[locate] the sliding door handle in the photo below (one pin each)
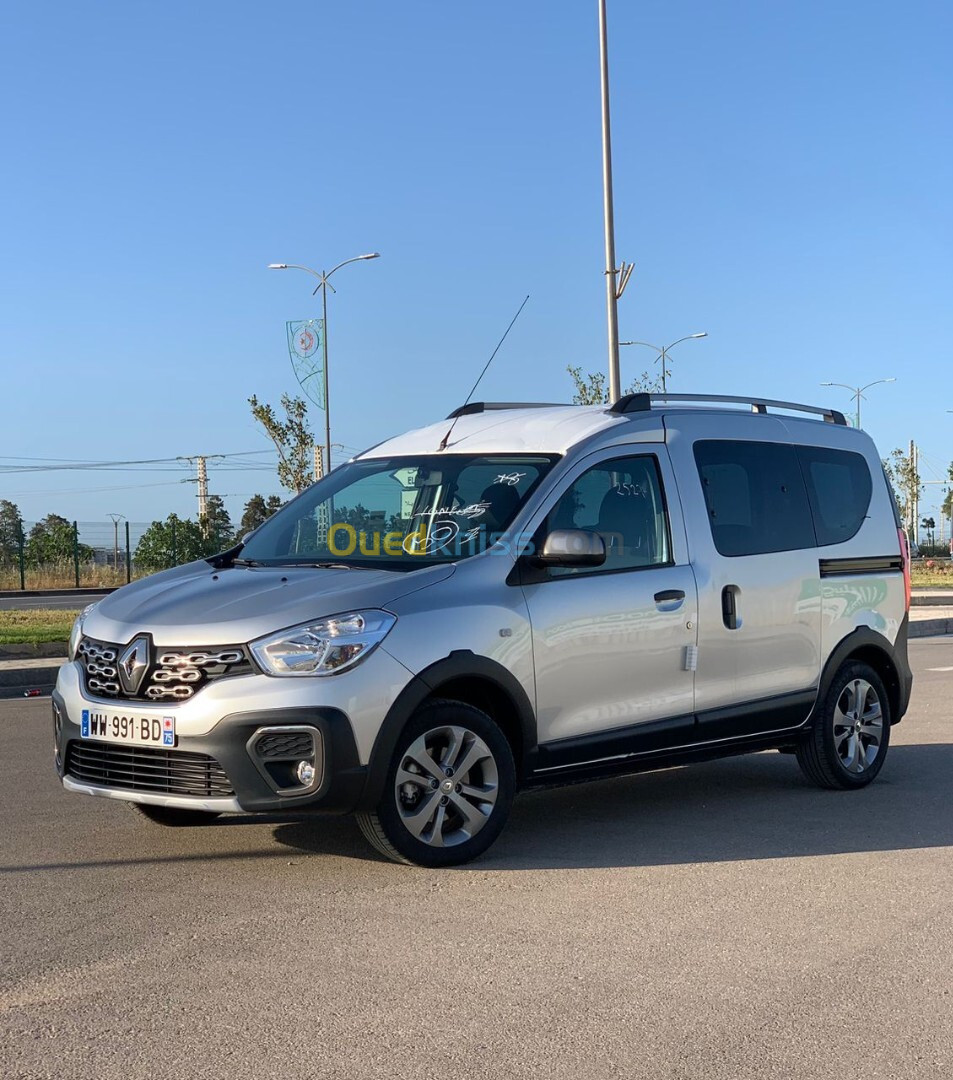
(729, 607)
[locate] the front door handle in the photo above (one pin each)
(668, 595)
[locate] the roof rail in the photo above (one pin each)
(632, 403)
(493, 406)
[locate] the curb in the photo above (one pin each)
(34, 651)
(16, 681)
(34, 692)
(929, 627)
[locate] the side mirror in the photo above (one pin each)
(572, 547)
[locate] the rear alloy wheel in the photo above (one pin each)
(176, 817)
(848, 743)
(448, 790)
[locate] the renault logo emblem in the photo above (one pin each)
(133, 664)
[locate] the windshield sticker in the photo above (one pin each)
(474, 510)
(510, 479)
(440, 535)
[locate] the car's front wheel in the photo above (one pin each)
(175, 816)
(448, 788)
(848, 742)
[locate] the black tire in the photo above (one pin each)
(825, 756)
(175, 817)
(494, 774)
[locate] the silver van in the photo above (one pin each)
(518, 595)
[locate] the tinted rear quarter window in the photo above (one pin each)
(839, 489)
(755, 496)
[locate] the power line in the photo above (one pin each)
(72, 465)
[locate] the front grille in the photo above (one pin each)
(172, 673)
(147, 768)
(294, 745)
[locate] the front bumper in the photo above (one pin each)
(221, 769)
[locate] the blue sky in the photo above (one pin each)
(782, 171)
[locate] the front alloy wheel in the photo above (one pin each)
(848, 743)
(448, 790)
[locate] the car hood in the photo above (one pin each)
(198, 605)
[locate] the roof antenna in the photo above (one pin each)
(446, 438)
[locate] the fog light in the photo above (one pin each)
(305, 773)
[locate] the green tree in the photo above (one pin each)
(292, 438)
(51, 542)
(946, 509)
(11, 529)
(257, 511)
(590, 388)
(929, 524)
(170, 543)
(905, 481)
(216, 525)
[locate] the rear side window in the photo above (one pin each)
(839, 489)
(755, 496)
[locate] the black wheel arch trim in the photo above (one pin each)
(460, 664)
(897, 676)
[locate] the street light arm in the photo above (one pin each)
(647, 344)
(295, 266)
(876, 382)
(852, 389)
(687, 337)
(356, 258)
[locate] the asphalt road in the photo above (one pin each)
(725, 921)
(69, 602)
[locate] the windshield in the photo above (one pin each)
(399, 513)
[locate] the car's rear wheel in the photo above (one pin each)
(175, 816)
(448, 789)
(848, 743)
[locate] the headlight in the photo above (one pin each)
(77, 632)
(324, 647)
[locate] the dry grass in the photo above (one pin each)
(64, 577)
(935, 573)
(32, 627)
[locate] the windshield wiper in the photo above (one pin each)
(288, 565)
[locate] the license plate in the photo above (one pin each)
(128, 728)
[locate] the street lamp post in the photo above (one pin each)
(663, 350)
(324, 283)
(116, 518)
(857, 392)
(612, 311)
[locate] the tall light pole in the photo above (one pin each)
(857, 392)
(614, 289)
(663, 350)
(324, 283)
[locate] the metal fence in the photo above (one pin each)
(83, 554)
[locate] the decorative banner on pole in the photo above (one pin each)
(306, 349)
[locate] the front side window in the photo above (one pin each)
(621, 500)
(399, 513)
(755, 497)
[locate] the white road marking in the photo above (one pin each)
(940, 669)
